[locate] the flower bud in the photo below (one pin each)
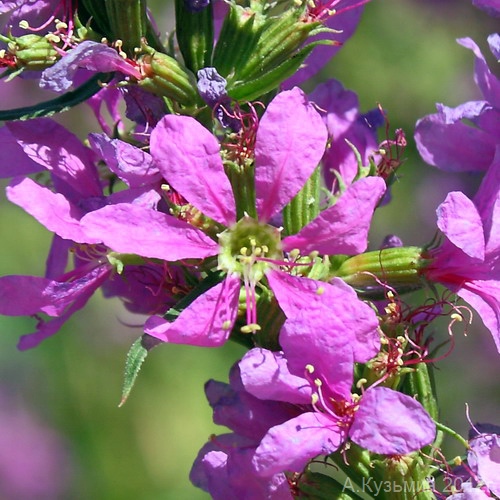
(166, 77)
(399, 267)
(31, 52)
(256, 52)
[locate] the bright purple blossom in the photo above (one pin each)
(290, 143)
(306, 418)
(446, 141)
(223, 466)
(45, 146)
(468, 261)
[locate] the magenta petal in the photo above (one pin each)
(24, 295)
(188, 156)
(484, 297)
(206, 322)
(290, 142)
(49, 144)
(289, 446)
(391, 423)
(342, 228)
(453, 147)
(265, 375)
(328, 352)
(132, 165)
(52, 210)
(14, 160)
(460, 221)
(127, 228)
(332, 308)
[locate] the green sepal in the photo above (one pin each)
(304, 207)
(168, 78)
(264, 83)
(317, 486)
(195, 35)
(59, 104)
(237, 39)
(400, 267)
(419, 383)
(133, 364)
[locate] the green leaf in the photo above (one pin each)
(135, 358)
(60, 104)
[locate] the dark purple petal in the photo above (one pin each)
(245, 414)
(211, 86)
(14, 160)
(132, 165)
(83, 289)
(49, 144)
(90, 55)
(490, 6)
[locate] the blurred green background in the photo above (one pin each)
(404, 56)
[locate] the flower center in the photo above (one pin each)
(247, 248)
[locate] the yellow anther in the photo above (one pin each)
(253, 241)
(60, 25)
(251, 328)
(244, 250)
(265, 249)
(257, 251)
(457, 461)
(310, 368)
(50, 37)
(361, 382)
(314, 398)
(294, 254)
(226, 325)
(317, 382)
(390, 295)
(320, 290)
(313, 254)
(456, 317)
(24, 25)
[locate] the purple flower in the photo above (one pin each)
(223, 466)
(445, 141)
(290, 142)
(296, 418)
(43, 145)
(467, 262)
